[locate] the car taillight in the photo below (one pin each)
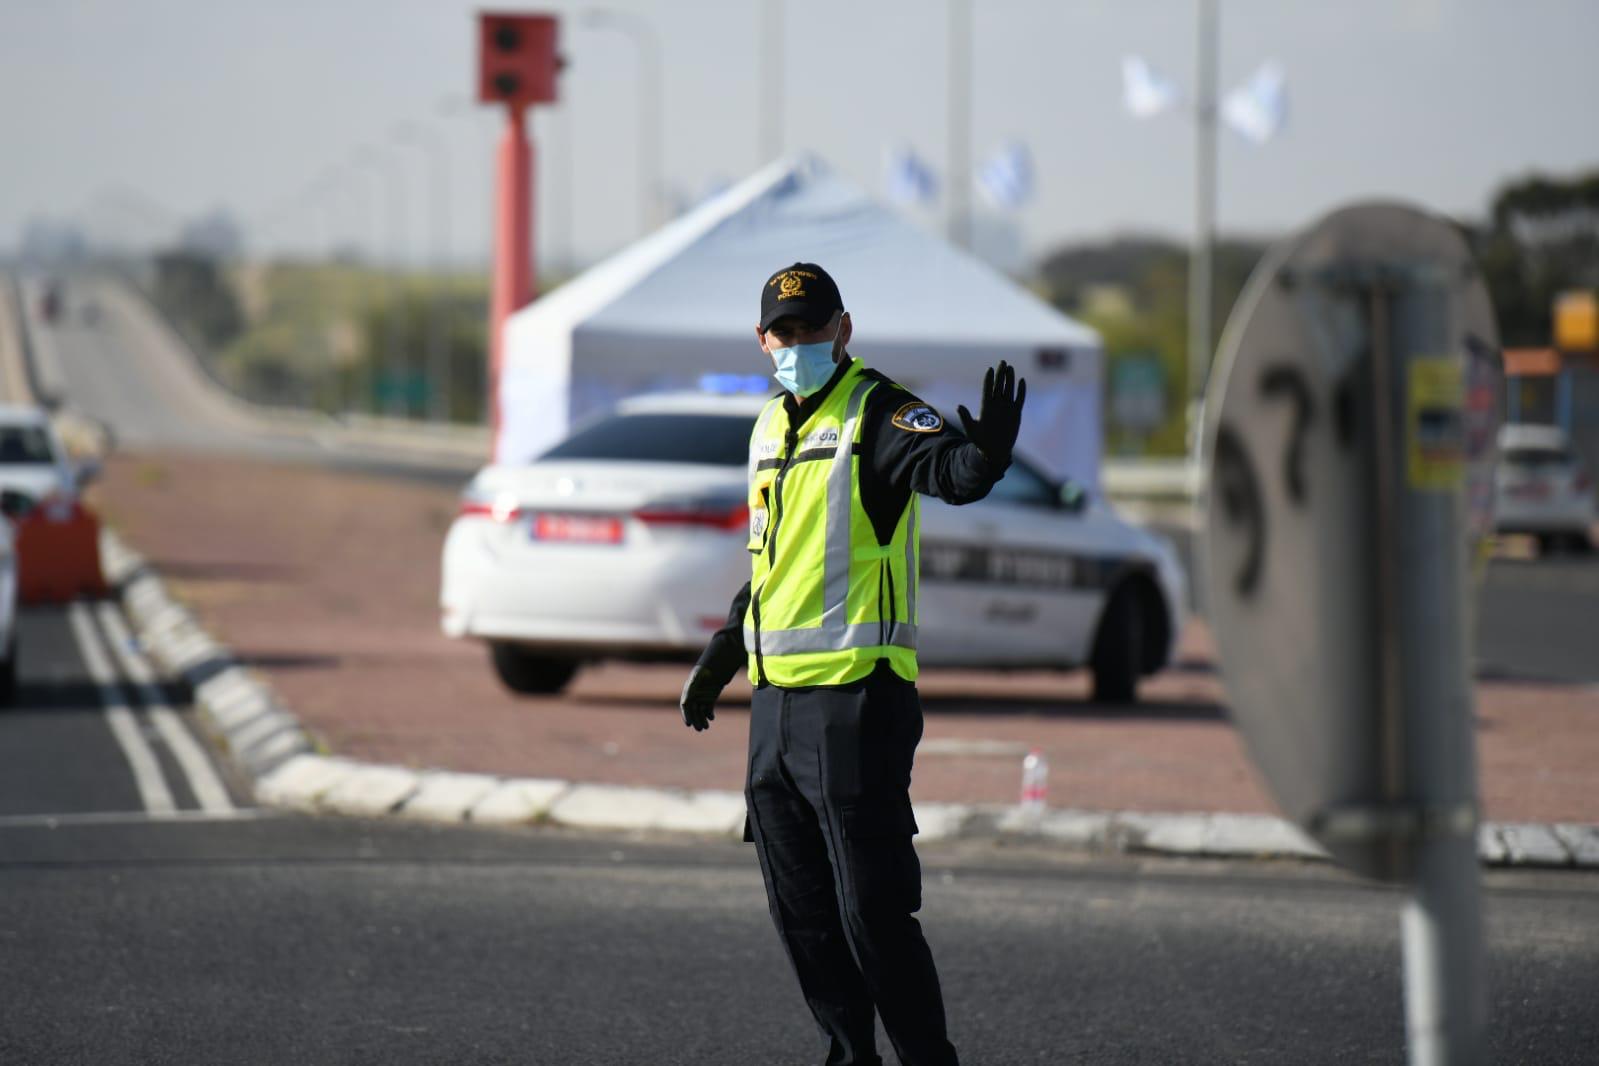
(706, 514)
(499, 508)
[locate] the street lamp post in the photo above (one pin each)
(426, 138)
(960, 122)
(372, 162)
(326, 211)
(1201, 296)
(770, 116)
(1255, 110)
(651, 106)
(389, 167)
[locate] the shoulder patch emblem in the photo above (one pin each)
(917, 417)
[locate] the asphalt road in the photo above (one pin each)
(124, 368)
(132, 934)
(89, 733)
(1535, 616)
(287, 940)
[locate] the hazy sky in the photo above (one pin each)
(129, 114)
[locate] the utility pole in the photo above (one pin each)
(438, 371)
(960, 122)
(1201, 298)
(770, 134)
(367, 160)
(651, 106)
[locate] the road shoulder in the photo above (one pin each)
(289, 772)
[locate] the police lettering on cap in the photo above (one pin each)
(804, 291)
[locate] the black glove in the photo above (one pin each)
(995, 433)
(699, 699)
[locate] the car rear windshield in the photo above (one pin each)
(717, 440)
(1538, 456)
(24, 444)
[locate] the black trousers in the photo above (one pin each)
(830, 813)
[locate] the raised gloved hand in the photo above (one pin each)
(995, 432)
(699, 699)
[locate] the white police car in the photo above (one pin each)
(627, 540)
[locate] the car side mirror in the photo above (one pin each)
(1073, 498)
(85, 472)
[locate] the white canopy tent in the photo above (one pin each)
(683, 303)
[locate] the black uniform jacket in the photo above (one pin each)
(906, 447)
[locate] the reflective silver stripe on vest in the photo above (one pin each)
(858, 635)
(912, 574)
(835, 574)
(759, 434)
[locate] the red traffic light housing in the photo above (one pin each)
(517, 61)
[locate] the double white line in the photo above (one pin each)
(208, 789)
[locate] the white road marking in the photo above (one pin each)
(152, 786)
(51, 821)
(203, 780)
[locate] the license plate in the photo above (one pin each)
(578, 528)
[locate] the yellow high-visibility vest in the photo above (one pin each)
(827, 601)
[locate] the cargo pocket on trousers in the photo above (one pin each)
(884, 873)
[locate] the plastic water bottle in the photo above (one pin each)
(1035, 782)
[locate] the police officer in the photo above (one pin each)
(827, 629)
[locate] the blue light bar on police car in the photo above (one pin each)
(734, 384)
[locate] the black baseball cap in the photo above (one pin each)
(805, 291)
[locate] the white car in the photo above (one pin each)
(627, 540)
(34, 469)
(1542, 488)
(8, 612)
(33, 462)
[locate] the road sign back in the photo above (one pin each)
(1338, 445)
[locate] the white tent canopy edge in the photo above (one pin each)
(683, 302)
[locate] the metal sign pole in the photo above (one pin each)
(1439, 927)
(1441, 922)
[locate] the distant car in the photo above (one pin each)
(1541, 487)
(52, 300)
(626, 540)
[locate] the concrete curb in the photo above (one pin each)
(288, 773)
(256, 730)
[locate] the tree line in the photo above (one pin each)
(1540, 237)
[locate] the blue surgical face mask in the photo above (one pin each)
(804, 368)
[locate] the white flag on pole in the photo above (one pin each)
(1257, 108)
(1145, 91)
(1006, 177)
(907, 179)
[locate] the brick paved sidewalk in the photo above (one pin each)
(327, 583)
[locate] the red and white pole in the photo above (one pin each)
(513, 281)
(517, 68)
